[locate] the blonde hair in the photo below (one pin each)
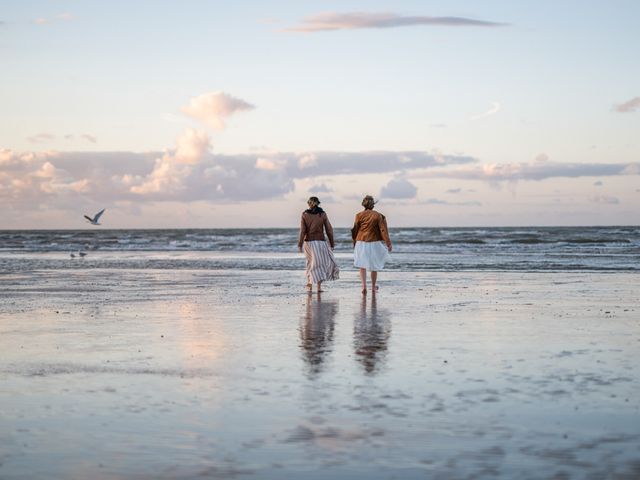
(368, 202)
(313, 202)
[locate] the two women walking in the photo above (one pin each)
(370, 237)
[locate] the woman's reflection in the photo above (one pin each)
(371, 332)
(316, 331)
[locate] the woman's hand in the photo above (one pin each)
(299, 249)
(389, 247)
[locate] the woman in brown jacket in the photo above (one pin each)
(321, 264)
(371, 243)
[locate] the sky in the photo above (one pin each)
(210, 114)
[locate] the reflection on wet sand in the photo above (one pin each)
(371, 332)
(316, 331)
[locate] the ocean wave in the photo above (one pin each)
(414, 248)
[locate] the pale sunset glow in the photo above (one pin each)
(453, 113)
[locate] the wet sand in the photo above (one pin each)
(139, 374)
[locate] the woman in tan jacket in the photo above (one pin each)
(371, 243)
(321, 264)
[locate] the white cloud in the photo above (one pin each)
(629, 106)
(605, 199)
(191, 146)
(399, 188)
(535, 171)
(321, 188)
(267, 164)
(495, 108)
(213, 109)
(331, 21)
(189, 172)
(308, 160)
(41, 138)
(437, 201)
(63, 17)
(173, 168)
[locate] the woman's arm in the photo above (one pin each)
(303, 232)
(354, 230)
(384, 231)
(329, 229)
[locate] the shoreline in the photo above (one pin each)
(216, 374)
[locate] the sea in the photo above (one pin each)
(614, 248)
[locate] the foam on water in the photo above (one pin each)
(440, 249)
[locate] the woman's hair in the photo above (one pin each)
(368, 202)
(313, 202)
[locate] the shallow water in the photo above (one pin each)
(415, 249)
(230, 374)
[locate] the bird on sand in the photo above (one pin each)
(94, 220)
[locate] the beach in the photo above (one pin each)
(112, 373)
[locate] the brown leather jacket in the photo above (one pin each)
(370, 226)
(312, 227)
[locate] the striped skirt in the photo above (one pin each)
(321, 264)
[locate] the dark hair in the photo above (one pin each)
(368, 202)
(314, 206)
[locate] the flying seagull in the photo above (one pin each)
(94, 220)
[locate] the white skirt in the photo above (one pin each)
(370, 255)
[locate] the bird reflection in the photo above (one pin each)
(371, 332)
(316, 331)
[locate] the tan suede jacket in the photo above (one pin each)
(370, 226)
(312, 227)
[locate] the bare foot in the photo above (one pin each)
(309, 288)
(364, 291)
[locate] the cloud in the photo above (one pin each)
(41, 138)
(186, 173)
(605, 199)
(267, 164)
(321, 188)
(331, 21)
(535, 171)
(213, 109)
(437, 201)
(454, 190)
(63, 17)
(432, 201)
(628, 106)
(173, 168)
(84, 136)
(495, 108)
(399, 188)
(309, 160)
